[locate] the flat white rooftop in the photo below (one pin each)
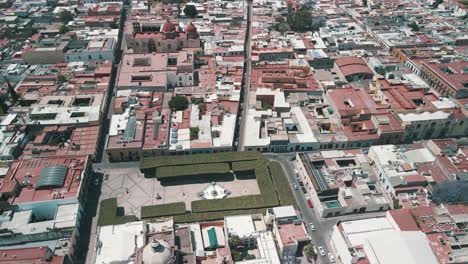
(424, 116)
(240, 225)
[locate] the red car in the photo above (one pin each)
(309, 202)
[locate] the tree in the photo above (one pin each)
(61, 79)
(202, 108)
(194, 132)
(301, 20)
(190, 11)
(364, 3)
(11, 91)
(178, 103)
(234, 241)
(215, 134)
(450, 192)
(236, 256)
(396, 204)
(281, 25)
(437, 3)
(414, 26)
(114, 25)
(309, 251)
(64, 29)
(66, 16)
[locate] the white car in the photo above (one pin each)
(331, 257)
(312, 227)
(322, 251)
(296, 187)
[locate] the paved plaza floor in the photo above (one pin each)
(133, 190)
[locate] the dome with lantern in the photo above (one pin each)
(158, 252)
(168, 27)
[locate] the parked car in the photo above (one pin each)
(301, 183)
(309, 203)
(322, 251)
(312, 227)
(296, 187)
(315, 250)
(292, 158)
(331, 257)
(304, 190)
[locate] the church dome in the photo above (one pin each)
(157, 252)
(191, 28)
(168, 27)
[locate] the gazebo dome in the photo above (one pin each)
(168, 27)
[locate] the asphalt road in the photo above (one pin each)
(248, 51)
(324, 226)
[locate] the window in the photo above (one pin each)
(84, 101)
(141, 62)
(77, 114)
(55, 102)
(141, 78)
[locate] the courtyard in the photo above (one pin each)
(133, 190)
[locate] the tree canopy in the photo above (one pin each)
(190, 11)
(300, 20)
(308, 251)
(178, 103)
(66, 16)
(450, 192)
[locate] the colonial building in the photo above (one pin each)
(169, 39)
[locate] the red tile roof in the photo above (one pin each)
(404, 220)
(352, 65)
(33, 255)
(30, 170)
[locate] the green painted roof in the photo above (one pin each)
(52, 176)
(212, 237)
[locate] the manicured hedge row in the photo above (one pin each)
(281, 183)
(224, 157)
(192, 170)
(108, 214)
(243, 166)
(266, 198)
(161, 210)
(211, 216)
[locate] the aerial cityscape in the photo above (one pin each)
(222, 132)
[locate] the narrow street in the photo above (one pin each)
(324, 226)
(247, 72)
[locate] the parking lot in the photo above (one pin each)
(133, 190)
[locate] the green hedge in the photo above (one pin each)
(224, 157)
(161, 210)
(240, 167)
(108, 214)
(281, 183)
(211, 216)
(192, 170)
(267, 198)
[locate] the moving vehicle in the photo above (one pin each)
(322, 251)
(312, 227)
(331, 257)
